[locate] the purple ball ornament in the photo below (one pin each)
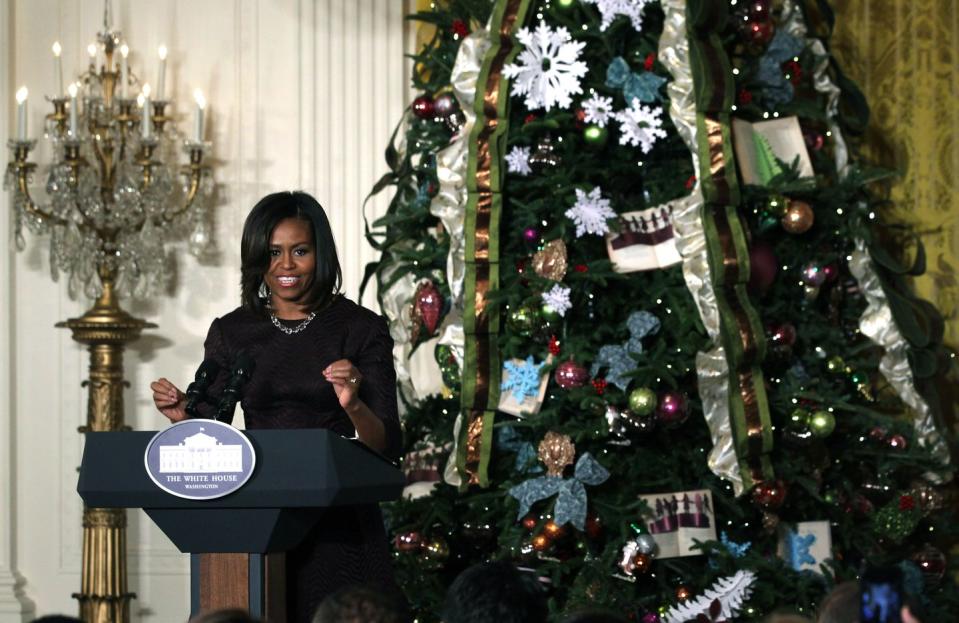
(763, 267)
(671, 411)
(423, 107)
(570, 374)
(444, 105)
(651, 617)
(813, 275)
(531, 236)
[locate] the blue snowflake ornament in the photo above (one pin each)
(736, 550)
(797, 549)
(521, 379)
(617, 358)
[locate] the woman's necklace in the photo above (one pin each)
(291, 330)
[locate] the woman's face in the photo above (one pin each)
(292, 261)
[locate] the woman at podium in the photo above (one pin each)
(321, 361)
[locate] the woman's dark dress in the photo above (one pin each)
(287, 390)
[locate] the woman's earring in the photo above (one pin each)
(264, 291)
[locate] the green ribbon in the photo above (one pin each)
(482, 365)
(741, 331)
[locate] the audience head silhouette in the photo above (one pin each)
(359, 604)
(494, 592)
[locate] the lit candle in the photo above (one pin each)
(161, 79)
(22, 114)
(92, 51)
(57, 68)
(146, 122)
(124, 71)
(73, 109)
(200, 105)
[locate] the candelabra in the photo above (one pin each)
(112, 206)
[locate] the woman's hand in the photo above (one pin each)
(346, 381)
(169, 400)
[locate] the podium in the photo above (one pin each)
(237, 542)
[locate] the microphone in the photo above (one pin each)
(240, 373)
(196, 391)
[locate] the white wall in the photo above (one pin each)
(302, 94)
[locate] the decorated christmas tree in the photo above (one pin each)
(681, 375)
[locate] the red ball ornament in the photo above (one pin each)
(407, 542)
(897, 442)
(570, 374)
(760, 32)
(683, 593)
(671, 409)
(594, 526)
(783, 334)
(423, 107)
(932, 563)
(428, 303)
(459, 28)
(529, 522)
(554, 347)
(769, 495)
(744, 97)
(763, 267)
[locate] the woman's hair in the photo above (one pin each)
(255, 249)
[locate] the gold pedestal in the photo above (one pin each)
(104, 596)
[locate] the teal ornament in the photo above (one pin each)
(570, 492)
(508, 440)
(777, 89)
(619, 360)
(644, 87)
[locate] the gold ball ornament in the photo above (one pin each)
(553, 530)
(550, 262)
(541, 542)
(642, 564)
(683, 593)
(436, 551)
(798, 217)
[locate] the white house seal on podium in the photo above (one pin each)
(199, 459)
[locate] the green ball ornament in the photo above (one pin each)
(595, 136)
(776, 204)
(642, 401)
(822, 423)
(858, 378)
(799, 417)
(523, 319)
(565, 4)
(549, 315)
(835, 365)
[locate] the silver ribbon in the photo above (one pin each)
(449, 204)
(877, 322)
(395, 302)
(711, 367)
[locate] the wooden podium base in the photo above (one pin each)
(253, 582)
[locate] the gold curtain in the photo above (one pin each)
(904, 55)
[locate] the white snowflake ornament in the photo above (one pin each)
(548, 70)
(730, 591)
(598, 109)
(640, 125)
(590, 213)
(611, 9)
(517, 161)
(558, 299)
